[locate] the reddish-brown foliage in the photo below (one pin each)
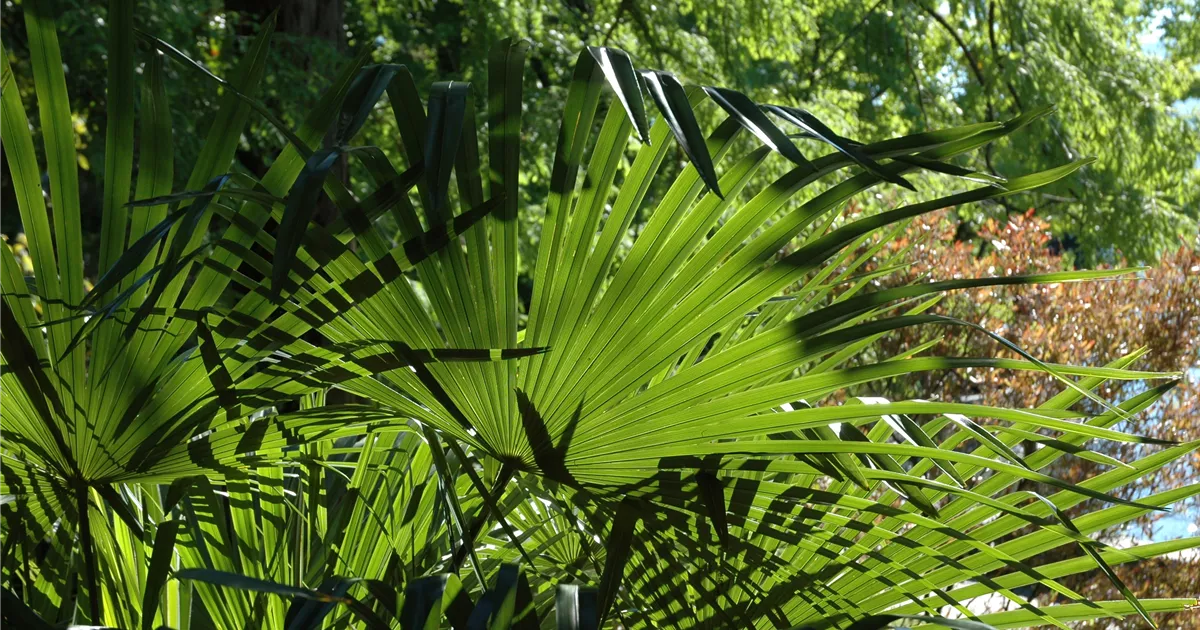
(1089, 323)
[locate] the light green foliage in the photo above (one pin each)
(878, 69)
(654, 420)
(873, 70)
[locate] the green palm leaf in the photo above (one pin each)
(663, 424)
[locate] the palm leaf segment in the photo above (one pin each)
(681, 410)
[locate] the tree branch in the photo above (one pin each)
(912, 68)
(616, 20)
(812, 75)
(976, 69)
(996, 53)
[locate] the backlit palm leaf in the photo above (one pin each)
(141, 381)
(654, 396)
(662, 422)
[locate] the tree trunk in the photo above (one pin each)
(321, 19)
(317, 19)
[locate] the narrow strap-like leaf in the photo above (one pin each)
(712, 493)
(987, 439)
(883, 461)
(364, 93)
(301, 203)
(234, 580)
(672, 102)
(118, 504)
(218, 374)
(506, 66)
(160, 564)
(118, 143)
(618, 548)
(447, 110)
(182, 224)
(17, 614)
(1090, 548)
(156, 162)
(576, 607)
(750, 116)
(253, 103)
(58, 139)
(136, 254)
(813, 125)
(429, 599)
(623, 78)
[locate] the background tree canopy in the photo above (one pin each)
(1120, 72)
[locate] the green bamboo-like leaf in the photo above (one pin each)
(623, 79)
(180, 227)
(218, 374)
(22, 361)
(617, 552)
(364, 93)
(985, 437)
(506, 66)
(301, 202)
(233, 580)
(118, 144)
(712, 493)
(883, 461)
(1090, 548)
(935, 166)
(843, 463)
(576, 607)
(806, 121)
(1085, 612)
(913, 433)
(186, 231)
(246, 98)
(750, 116)
(453, 507)
(430, 599)
(825, 318)
(448, 103)
(160, 563)
(58, 138)
(215, 157)
(156, 165)
(1066, 447)
(119, 505)
(176, 492)
(946, 168)
(672, 102)
(15, 613)
(236, 193)
(138, 252)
